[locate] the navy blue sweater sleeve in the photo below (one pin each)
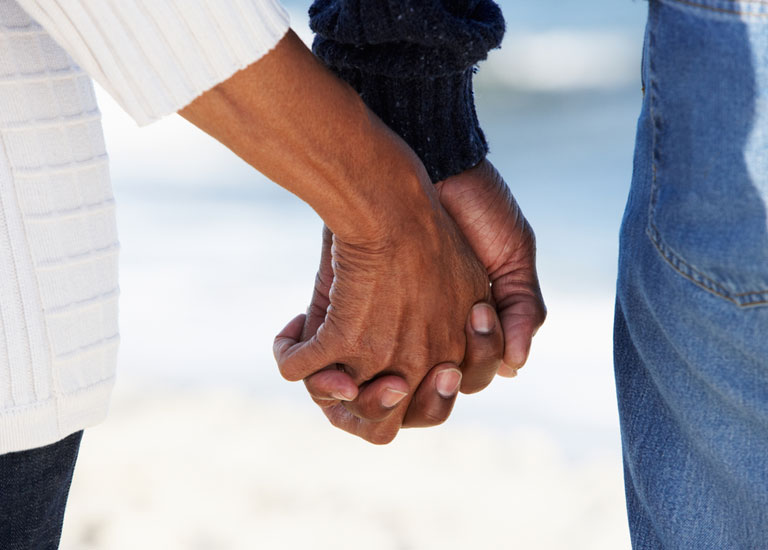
(412, 62)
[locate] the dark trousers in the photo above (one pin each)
(34, 486)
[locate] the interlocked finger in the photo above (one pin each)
(485, 348)
(297, 360)
(433, 401)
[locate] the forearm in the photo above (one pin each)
(294, 121)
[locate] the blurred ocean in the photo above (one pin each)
(558, 103)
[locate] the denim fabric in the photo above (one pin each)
(691, 334)
(34, 486)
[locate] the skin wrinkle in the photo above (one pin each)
(493, 269)
(399, 333)
(500, 195)
(363, 341)
(511, 267)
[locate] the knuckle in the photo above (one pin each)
(367, 409)
(542, 316)
(478, 375)
(434, 417)
(339, 418)
(278, 349)
(373, 413)
(316, 391)
(290, 368)
(377, 433)
(316, 310)
(485, 349)
(289, 374)
(322, 282)
(474, 386)
(482, 365)
(380, 438)
(324, 403)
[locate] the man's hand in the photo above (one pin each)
(486, 212)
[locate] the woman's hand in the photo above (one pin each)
(393, 308)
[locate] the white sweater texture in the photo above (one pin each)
(58, 238)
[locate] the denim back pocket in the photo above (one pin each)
(707, 66)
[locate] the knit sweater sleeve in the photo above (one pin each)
(412, 61)
(155, 56)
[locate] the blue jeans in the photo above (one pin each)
(34, 486)
(691, 333)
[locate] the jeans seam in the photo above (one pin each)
(685, 269)
(672, 257)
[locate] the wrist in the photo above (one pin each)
(380, 197)
(310, 132)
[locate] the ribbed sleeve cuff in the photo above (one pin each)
(155, 56)
(52, 420)
(435, 116)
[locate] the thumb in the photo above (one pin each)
(297, 360)
(321, 293)
(521, 312)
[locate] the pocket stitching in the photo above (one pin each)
(672, 257)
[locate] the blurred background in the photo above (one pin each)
(206, 447)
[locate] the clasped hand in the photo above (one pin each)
(384, 344)
(387, 340)
(396, 306)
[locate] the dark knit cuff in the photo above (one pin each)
(435, 116)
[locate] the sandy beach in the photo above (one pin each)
(220, 469)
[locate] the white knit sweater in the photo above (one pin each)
(58, 240)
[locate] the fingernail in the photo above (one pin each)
(506, 371)
(447, 382)
(341, 396)
(482, 319)
(392, 397)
